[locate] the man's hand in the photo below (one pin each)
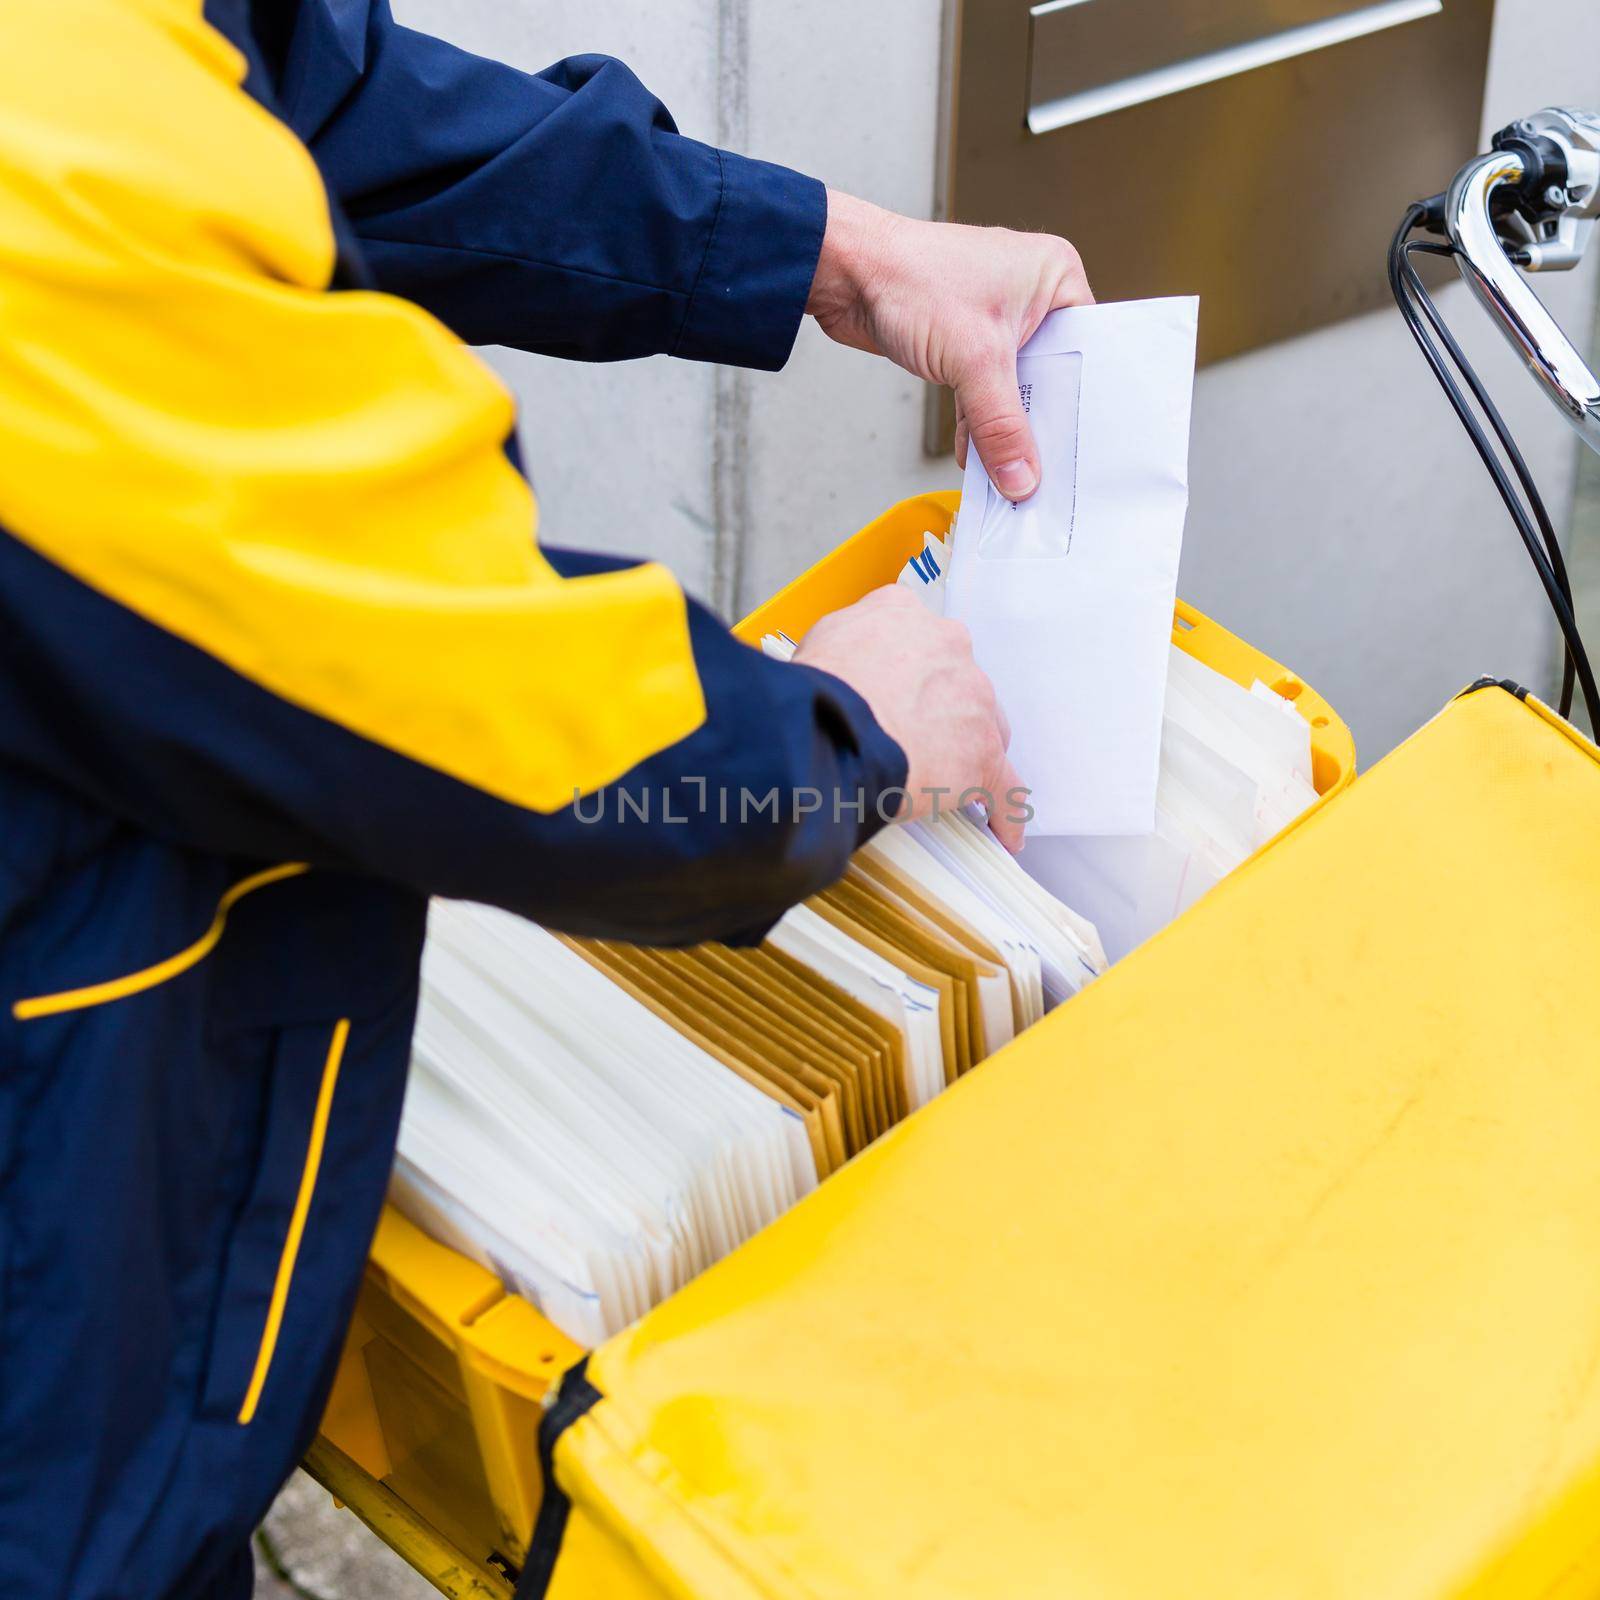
(916, 672)
(951, 304)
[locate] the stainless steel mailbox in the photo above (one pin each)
(1086, 60)
(1256, 152)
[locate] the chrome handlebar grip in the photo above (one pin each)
(1508, 298)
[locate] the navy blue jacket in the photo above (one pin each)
(279, 658)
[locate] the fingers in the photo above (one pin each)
(997, 426)
(988, 409)
(1006, 819)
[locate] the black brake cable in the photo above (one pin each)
(1508, 444)
(1539, 539)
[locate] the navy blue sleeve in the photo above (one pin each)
(718, 835)
(560, 212)
(713, 837)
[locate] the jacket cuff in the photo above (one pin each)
(877, 783)
(751, 291)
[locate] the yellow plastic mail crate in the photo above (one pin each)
(430, 1432)
(1268, 1268)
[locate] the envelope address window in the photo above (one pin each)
(1040, 527)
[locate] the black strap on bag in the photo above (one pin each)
(1490, 682)
(574, 1398)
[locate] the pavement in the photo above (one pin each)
(309, 1549)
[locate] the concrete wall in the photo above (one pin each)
(1338, 516)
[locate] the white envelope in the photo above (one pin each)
(1069, 595)
(910, 1007)
(591, 1154)
(902, 847)
(1234, 766)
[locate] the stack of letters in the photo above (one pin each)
(598, 1122)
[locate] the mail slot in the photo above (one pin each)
(1086, 59)
(1254, 152)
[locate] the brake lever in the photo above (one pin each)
(1530, 205)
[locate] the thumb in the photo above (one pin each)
(998, 428)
